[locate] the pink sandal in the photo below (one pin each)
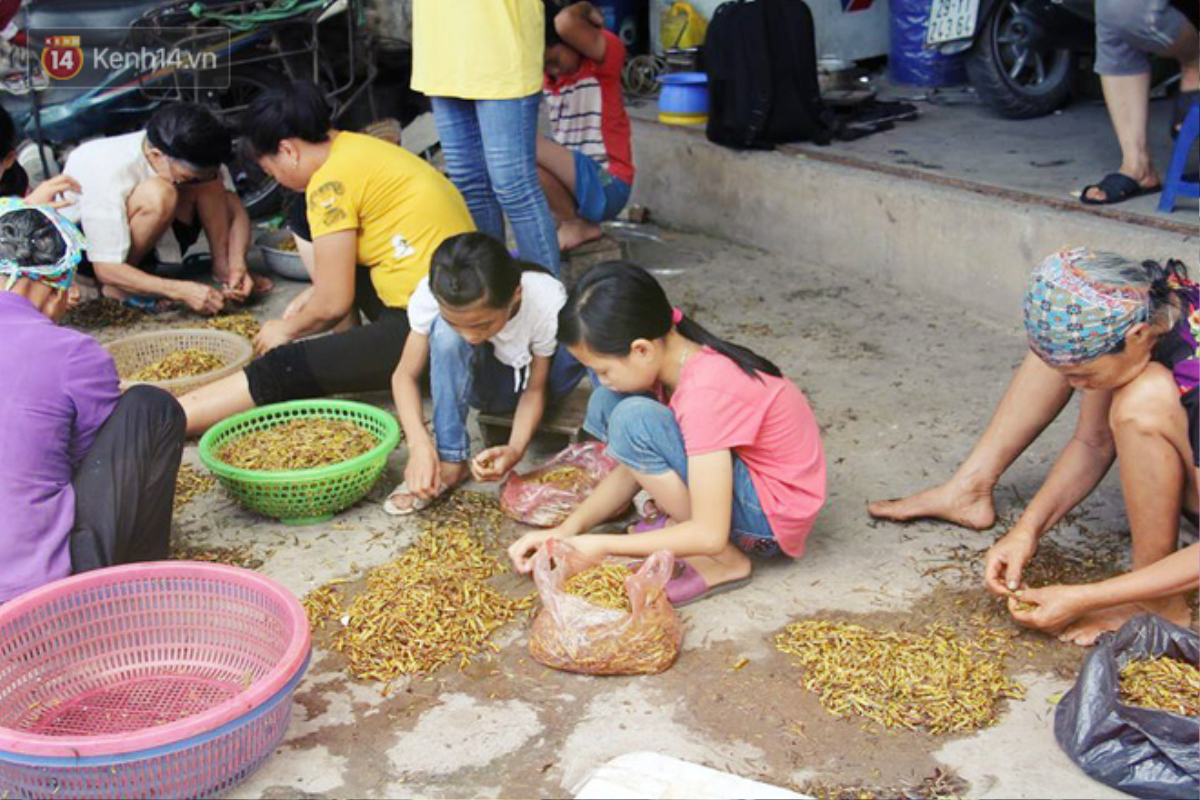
(652, 524)
(689, 585)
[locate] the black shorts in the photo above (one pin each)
(187, 234)
(359, 360)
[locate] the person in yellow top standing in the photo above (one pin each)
(374, 214)
(480, 63)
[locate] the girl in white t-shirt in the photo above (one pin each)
(487, 326)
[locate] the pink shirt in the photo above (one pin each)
(770, 427)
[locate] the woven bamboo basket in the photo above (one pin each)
(135, 352)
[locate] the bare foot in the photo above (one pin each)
(454, 474)
(574, 232)
(1088, 628)
(952, 501)
(262, 284)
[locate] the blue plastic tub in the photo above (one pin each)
(684, 97)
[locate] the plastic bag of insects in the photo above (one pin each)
(546, 496)
(1130, 720)
(601, 617)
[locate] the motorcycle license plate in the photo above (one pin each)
(951, 20)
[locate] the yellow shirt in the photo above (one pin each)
(478, 49)
(401, 207)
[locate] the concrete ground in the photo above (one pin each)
(953, 207)
(956, 137)
(1053, 156)
(901, 386)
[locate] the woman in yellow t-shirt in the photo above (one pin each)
(374, 214)
(480, 63)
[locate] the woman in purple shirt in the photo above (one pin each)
(87, 476)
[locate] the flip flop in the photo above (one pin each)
(149, 305)
(1117, 188)
(418, 504)
(689, 585)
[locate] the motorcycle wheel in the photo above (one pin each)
(1014, 80)
(261, 194)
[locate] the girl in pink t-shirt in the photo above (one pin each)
(727, 448)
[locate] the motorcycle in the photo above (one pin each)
(1023, 56)
(320, 40)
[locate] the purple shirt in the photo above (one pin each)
(57, 387)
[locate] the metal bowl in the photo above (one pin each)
(284, 263)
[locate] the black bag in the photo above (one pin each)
(1143, 752)
(762, 75)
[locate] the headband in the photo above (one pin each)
(59, 275)
(1070, 317)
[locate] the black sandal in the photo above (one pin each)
(1117, 188)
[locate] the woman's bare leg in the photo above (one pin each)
(210, 404)
(1150, 430)
(1128, 100)
(1036, 395)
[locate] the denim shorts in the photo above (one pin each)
(600, 196)
(643, 434)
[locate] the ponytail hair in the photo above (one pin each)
(473, 266)
(616, 303)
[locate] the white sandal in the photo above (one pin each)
(645, 506)
(418, 503)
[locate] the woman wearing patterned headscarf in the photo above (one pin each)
(87, 476)
(1124, 333)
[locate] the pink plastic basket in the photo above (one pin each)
(170, 679)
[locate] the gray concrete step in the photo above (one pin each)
(964, 240)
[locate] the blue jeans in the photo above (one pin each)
(464, 377)
(644, 435)
(491, 154)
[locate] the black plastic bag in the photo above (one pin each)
(1141, 751)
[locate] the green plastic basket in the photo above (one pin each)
(304, 496)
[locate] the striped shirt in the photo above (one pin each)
(587, 111)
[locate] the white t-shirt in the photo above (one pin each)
(108, 170)
(533, 331)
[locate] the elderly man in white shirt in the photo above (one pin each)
(146, 196)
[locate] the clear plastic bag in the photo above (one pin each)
(1142, 751)
(573, 635)
(546, 496)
